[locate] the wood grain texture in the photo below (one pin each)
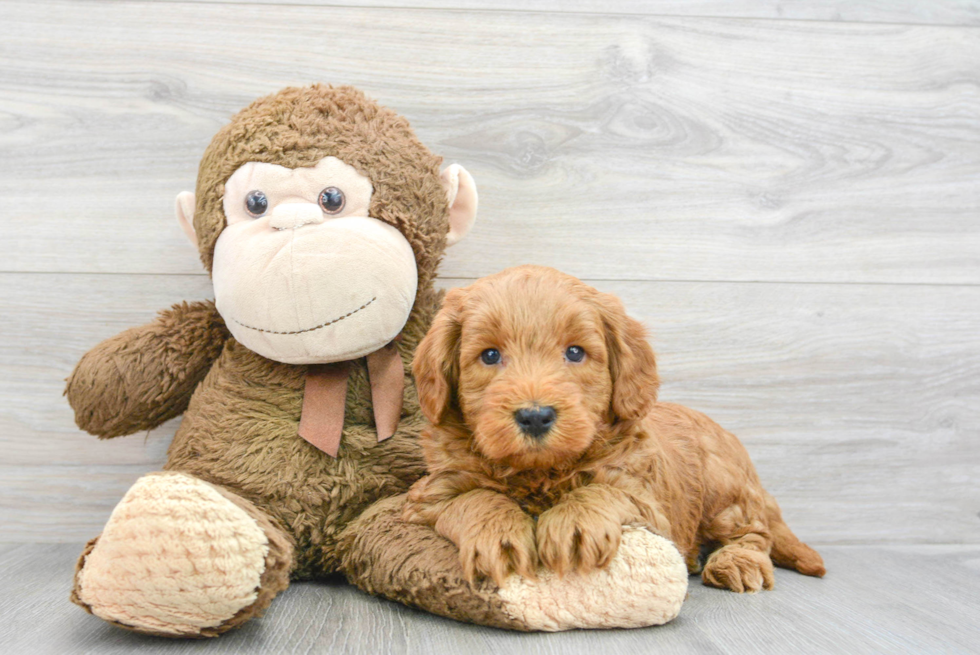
(613, 147)
(858, 403)
(49, 323)
(915, 12)
(786, 196)
(874, 600)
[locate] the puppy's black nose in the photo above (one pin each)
(535, 421)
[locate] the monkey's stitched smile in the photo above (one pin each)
(336, 320)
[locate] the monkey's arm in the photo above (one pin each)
(144, 376)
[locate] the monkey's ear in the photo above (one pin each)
(185, 215)
(461, 191)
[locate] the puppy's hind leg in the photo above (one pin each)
(742, 563)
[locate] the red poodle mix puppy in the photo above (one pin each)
(547, 438)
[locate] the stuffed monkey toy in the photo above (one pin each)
(321, 219)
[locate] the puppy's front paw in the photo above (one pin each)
(418, 508)
(739, 569)
(499, 546)
(412, 512)
(576, 536)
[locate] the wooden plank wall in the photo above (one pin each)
(787, 193)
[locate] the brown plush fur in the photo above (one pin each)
(614, 456)
(151, 373)
(414, 565)
(298, 127)
(239, 430)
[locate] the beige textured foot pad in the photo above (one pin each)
(645, 584)
(176, 558)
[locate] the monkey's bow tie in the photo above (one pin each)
(322, 420)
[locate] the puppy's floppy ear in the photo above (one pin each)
(631, 361)
(436, 363)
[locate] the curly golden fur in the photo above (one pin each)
(613, 456)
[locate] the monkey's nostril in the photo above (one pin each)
(289, 216)
(535, 421)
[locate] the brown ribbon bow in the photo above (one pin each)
(322, 420)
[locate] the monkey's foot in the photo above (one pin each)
(644, 584)
(182, 558)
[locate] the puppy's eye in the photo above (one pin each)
(256, 203)
(332, 200)
(575, 353)
(490, 356)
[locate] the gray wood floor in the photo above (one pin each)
(786, 193)
(910, 599)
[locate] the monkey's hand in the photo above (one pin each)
(144, 376)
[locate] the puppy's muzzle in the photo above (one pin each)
(535, 421)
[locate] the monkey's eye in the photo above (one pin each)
(575, 353)
(490, 356)
(256, 203)
(332, 200)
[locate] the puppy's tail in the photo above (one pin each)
(788, 551)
